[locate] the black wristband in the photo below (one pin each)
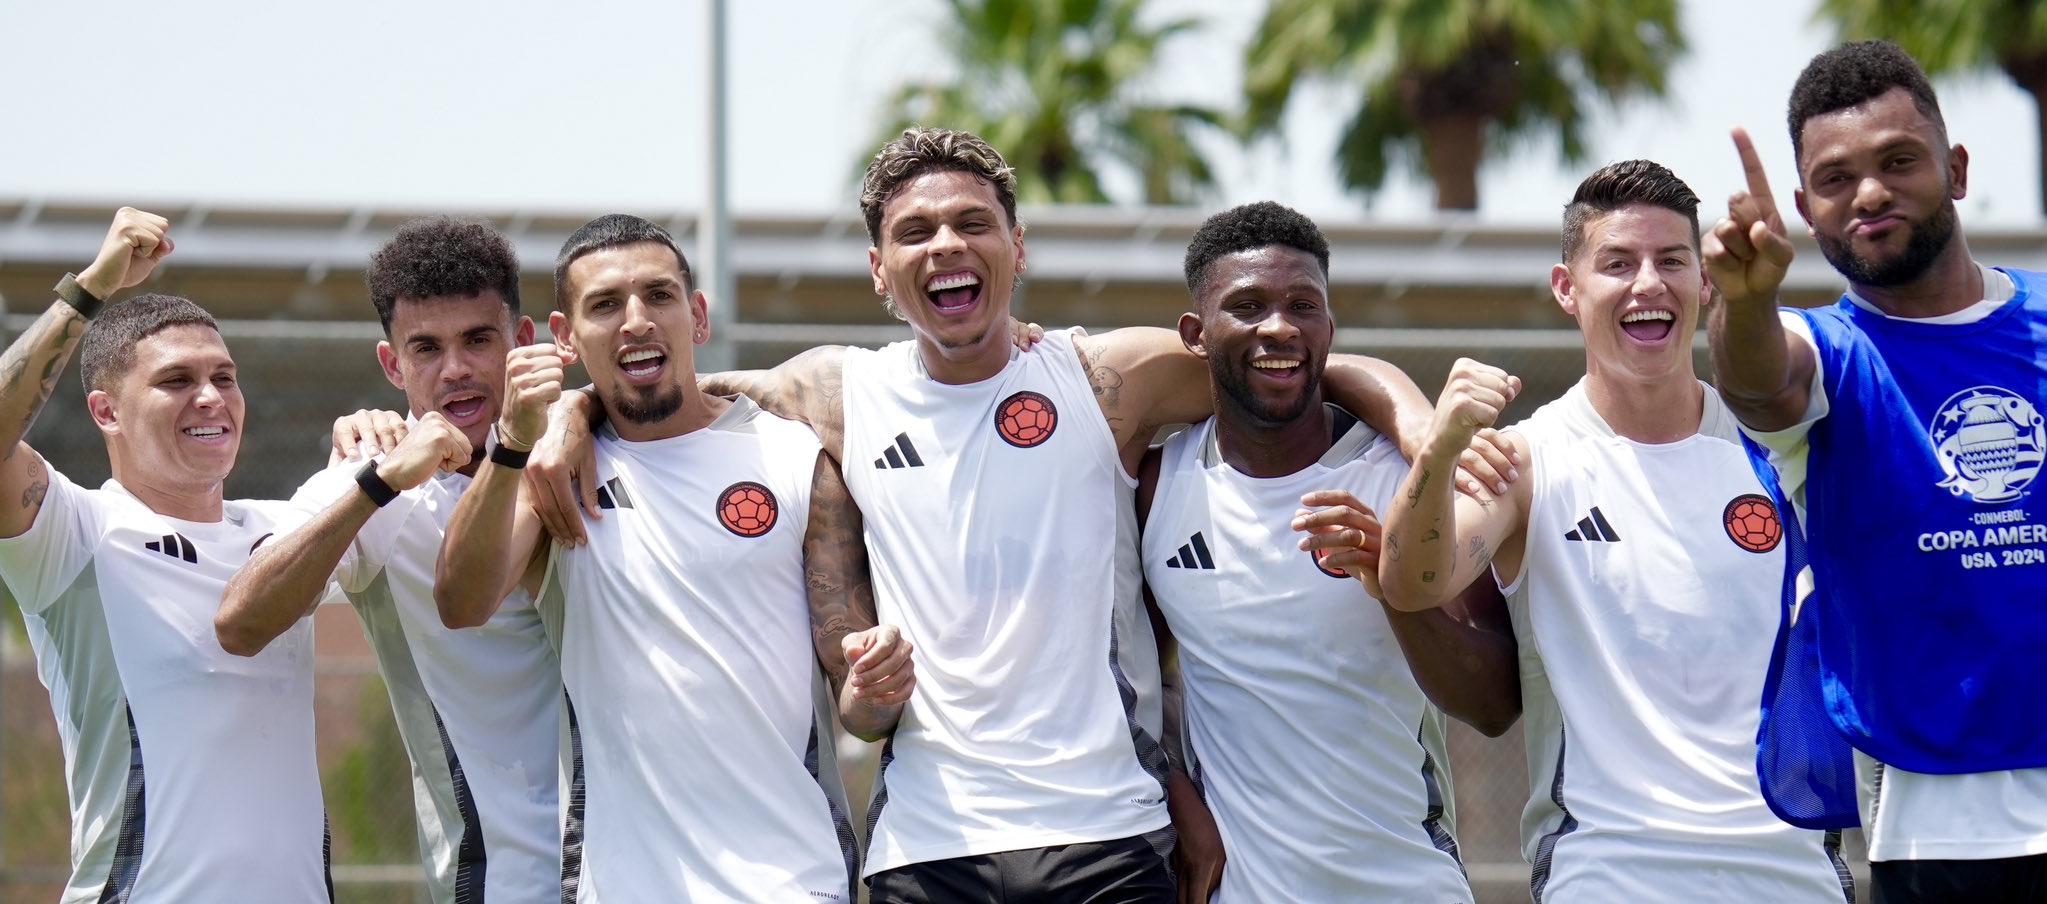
(373, 485)
(505, 457)
(70, 292)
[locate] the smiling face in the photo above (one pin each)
(1878, 189)
(949, 257)
(634, 323)
(1635, 286)
(1263, 324)
(175, 416)
(448, 355)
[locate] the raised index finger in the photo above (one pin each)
(1752, 169)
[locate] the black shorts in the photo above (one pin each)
(1959, 881)
(1133, 870)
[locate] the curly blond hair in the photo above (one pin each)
(921, 150)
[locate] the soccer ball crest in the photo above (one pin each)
(747, 509)
(1990, 441)
(1026, 419)
(1330, 570)
(1752, 523)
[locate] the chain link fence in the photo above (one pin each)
(299, 375)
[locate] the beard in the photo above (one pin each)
(650, 404)
(1237, 386)
(1928, 240)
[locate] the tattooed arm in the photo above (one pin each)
(1439, 540)
(29, 369)
(804, 388)
(868, 663)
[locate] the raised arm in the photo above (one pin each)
(135, 244)
(1463, 654)
(1439, 540)
(286, 577)
(1762, 371)
(494, 538)
(868, 663)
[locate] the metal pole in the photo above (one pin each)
(714, 226)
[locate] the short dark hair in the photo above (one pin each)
(1852, 74)
(436, 256)
(108, 349)
(1262, 224)
(612, 230)
(918, 151)
(1617, 185)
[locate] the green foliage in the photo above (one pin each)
(1054, 85)
(1519, 69)
(1949, 35)
(369, 789)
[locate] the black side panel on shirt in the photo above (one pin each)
(128, 849)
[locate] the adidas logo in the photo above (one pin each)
(1193, 554)
(175, 546)
(900, 455)
(612, 495)
(1594, 528)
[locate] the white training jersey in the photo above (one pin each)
(477, 708)
(192, 772)
(1913, 815)
(1303, 724)
(704, 754)
(1001, 537)
(1646, 606)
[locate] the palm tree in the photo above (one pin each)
(1962, 36)
(1447, 80)
(1053, 85)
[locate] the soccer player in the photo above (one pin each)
(1906, 423)
(1302, 727)
(694, 619)
(191, 772)
(996, 487)
(477, 709)
(1640, 559)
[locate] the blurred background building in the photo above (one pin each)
(1435, 141)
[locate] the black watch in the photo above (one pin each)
(373, 485)
(504, 457)
(70, 292)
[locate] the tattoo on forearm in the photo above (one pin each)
(1421, 483)
(47, 344)
(822, 582)
(1476, 550)
(1393, 547)
(1432, 536)
(1428, 577)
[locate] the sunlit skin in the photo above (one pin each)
(1874, 178)
(943, 225)
(180, 386)
(629, 301)
(447, 354)
(1265, 306)
(1638, 260)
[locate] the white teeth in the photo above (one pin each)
(205, 431)
(955, 281)
(1275, 364)
(641, 355)
(1640, 316)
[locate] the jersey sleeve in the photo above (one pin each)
(39, 564)
(374, 543)
(1788, 447)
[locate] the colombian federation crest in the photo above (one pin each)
(1990, 441)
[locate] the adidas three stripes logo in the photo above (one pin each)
(1593, 528)
(1193, 554)
(900, 455)
(612, 495)
(175, 546)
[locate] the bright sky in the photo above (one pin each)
(516, 103)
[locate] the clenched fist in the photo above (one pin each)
(1472, 400)
(134, 245)
(533, 380)
(878, 665)
(433, 444)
